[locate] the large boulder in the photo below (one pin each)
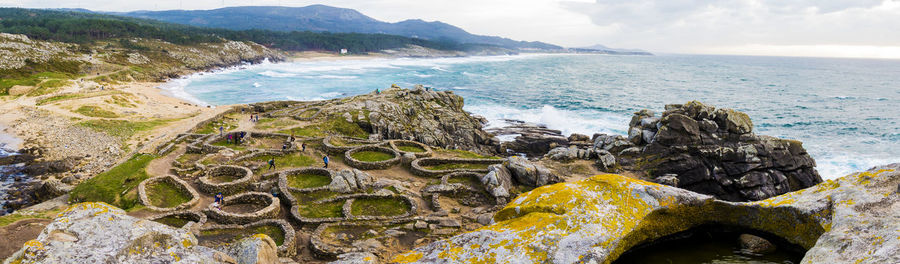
(849, 220)
(714, 151)
(528, 173)
(101, 233)
(256, 249)
(498, 181)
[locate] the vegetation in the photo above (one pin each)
(408, 148)
(295, 160)
(467, 180)
(270, 123)
(166, 195)
(379, 207)
(173, 221)
(322, 210)
(333, 124)
(82, 28)
(14, 217)
(273, 232)
(48, 87)
(458, 166)
(371, 156)
(115, 186)
(188, 159)
(121, 128)
(95, 111)
(302, 181)
(458, 153)
(229, 144)
(213, 127)
(234, 234)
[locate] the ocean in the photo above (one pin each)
(844, 110)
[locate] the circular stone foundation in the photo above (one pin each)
(227, 179)
(279, 230)
(352, 158)
(179, 219)
(305, 179)
(245, 208)
(408, 146)
(436, 167)
(352, 143)
(167, 193)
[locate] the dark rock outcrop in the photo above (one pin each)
(714, 151)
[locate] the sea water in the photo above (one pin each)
(844, 110)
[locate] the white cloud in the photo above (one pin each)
(764, 27)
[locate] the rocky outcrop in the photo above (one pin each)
(435, 118)
(75, 236)
(528, 173)
(714, 151)
(849, 220)
(533, 140)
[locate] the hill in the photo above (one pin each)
(322, 18)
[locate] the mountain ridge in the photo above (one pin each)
(318, 18)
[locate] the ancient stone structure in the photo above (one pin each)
(243, 177)
(396, 144)
(182, 186)
(198, 218)
(270, 208)
(714, 151)
(371, 165)
(288, 247)
(418, 166)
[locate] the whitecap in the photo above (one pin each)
(257, 85)
(275, 74)
(584, 121)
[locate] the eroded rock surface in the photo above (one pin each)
(849, 220)
(101, 233)
(714, 151)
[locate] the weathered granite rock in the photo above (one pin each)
(100, 233)
(256, 249)
(713, 151)
(530, 139)
(356, 258)
(528, 173)
(754, 244)
(350, 180)
(498, 180)
(849, 220)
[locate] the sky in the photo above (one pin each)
(821, 28)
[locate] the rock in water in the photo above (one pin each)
(849, 220)
(714, 151)
(101, 233)
(754, 244)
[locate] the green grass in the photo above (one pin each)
(467, 180)
(12, 218)
(308, 180)
(122, 100)
(116, 185)
(121, 128)
(71, 96)
(371, 156)
(32, 80)
(379, 207)
(229, 144)
(48, 87)
(188, 159)
(173, 221)
(464, 154)
(234, 235)
(272, 231)
(458, 166)
(332, 125)
(95, 111)
(166, 195)
(308, 113)
(408, 148)
(294, 160)
(213, 127)
(270, 123)
(323, 210)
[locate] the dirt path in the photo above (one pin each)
(16, 234)
(162, 166)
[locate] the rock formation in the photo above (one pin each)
(848, 220)
(100, 233)
(714, 151)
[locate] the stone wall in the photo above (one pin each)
(270, 210)
(395, 144)
(376, 165)
(183, 187)
(206, 185)
(418, 166)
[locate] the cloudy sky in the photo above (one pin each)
(829, 28)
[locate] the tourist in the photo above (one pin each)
(377, 91)
(272, 163)
(229, 138)
(292, 137)
(221, 130)
(303, 146)
(218, 202)
(325, 159)
(284, 146)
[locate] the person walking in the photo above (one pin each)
(303, 146)
(221, 130)
(272, 164)
(325, 159)
(218, 202)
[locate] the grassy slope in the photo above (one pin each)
(115, 186)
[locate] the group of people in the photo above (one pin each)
(236, 138)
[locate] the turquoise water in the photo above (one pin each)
(844, 110)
